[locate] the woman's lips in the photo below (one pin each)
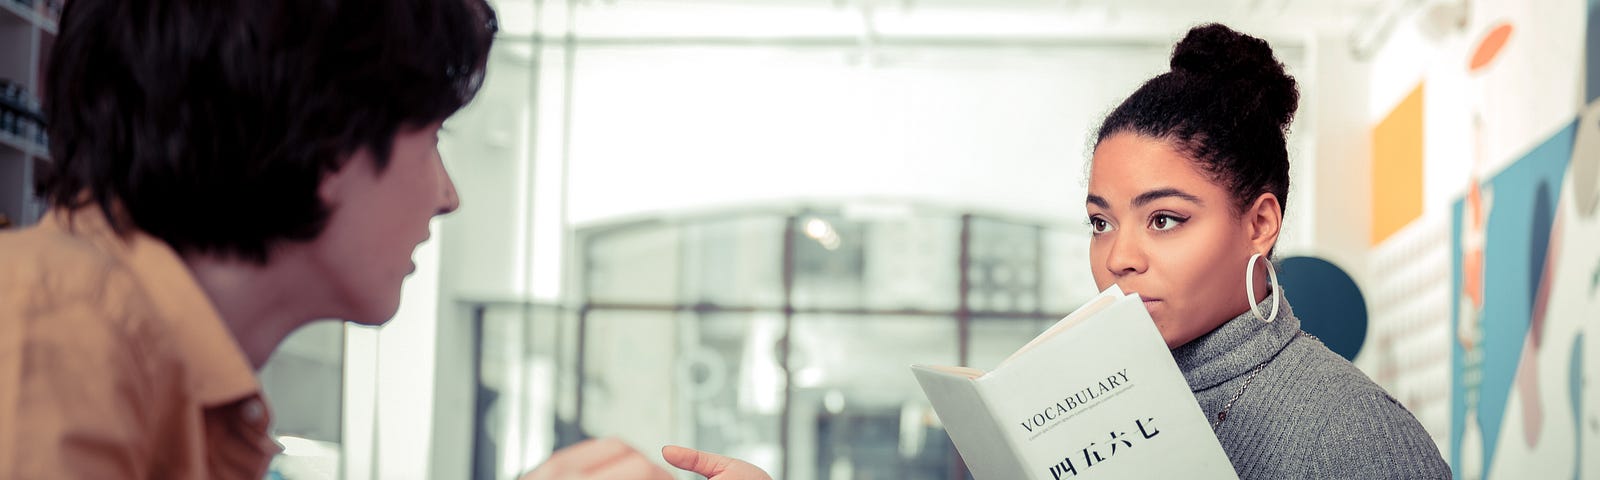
(1146, 299)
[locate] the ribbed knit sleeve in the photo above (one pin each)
(1370, 435)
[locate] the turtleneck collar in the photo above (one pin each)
(1237, 346)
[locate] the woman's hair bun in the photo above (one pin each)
(1238, 62)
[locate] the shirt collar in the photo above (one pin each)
(215, 369)
(1237, 346)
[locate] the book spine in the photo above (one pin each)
(1021, 467)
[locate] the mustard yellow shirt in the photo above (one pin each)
(114, 364)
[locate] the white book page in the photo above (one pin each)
(968, 372)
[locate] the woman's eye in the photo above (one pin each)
(1099, 225)
(1165, 222)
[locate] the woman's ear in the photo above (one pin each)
(1263, 221)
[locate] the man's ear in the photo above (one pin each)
(336, 185)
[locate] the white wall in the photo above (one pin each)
(994, 130)
(1332, 175)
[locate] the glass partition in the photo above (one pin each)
(780, 337)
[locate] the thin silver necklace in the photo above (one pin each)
(1223, 414)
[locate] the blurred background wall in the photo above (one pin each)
(733, 224)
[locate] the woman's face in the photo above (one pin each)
(1163, 229)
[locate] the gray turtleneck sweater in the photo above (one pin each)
(1308, 413)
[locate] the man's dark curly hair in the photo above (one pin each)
(210, 123)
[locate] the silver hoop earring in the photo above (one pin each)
(1250, 288)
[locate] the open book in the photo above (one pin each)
(1097, 395)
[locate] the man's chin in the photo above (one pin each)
(370, 322)
(374, 317)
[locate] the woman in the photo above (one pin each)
(1187, 188)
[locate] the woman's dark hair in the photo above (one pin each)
(1226, 104)
(210, 123)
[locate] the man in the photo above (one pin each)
(225, 172)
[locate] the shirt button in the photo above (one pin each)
(252, 410)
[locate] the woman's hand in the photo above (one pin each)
(711, 465)
(608, 459)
